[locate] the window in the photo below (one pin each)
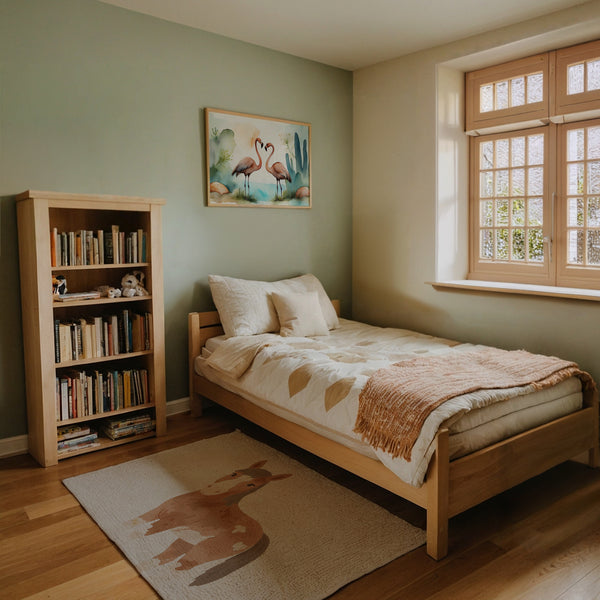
(535, 172)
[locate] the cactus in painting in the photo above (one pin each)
(299, 172)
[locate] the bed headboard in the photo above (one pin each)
(204, 325)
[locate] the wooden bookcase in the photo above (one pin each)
(38, 213)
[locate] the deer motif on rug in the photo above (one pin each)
(214, 512)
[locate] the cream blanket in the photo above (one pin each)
(319, 380)
(397, 400)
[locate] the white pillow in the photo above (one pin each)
(245, 306)
(299, 314)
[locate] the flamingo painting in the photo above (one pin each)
(277, 170)
(260, 149)
(247, 166)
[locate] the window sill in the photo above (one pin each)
(518, 288)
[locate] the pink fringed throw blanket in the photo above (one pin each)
(397, 400)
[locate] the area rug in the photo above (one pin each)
(229, 517)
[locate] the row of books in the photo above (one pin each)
(87, 247)
(96, 337)
(80, 393)
(71, 438)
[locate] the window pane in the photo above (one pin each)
(593, 142)
(501, 212)
(575, 179)
(536, 245)
(487, 244)
(575, 248)
(593, 182)
(486, 98)
(517, 187)
(535, 184)
(517, 150)
(501, 95)
(518, 244)
(535, 88)
(487, 213)
(593, 75)
(501, 183)
(535, 215)
(575, 144)
(502, 244)
(575, 79)
(575, 212)
(486, 155)
(593, 212)
(517, 91)
(593, 247)
(502, 154)
(518, 212)
(486, 184)
(535, 149)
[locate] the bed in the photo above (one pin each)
(231, 356)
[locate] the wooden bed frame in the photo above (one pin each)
(450, 487)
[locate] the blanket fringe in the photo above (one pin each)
(395, 403)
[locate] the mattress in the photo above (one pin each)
(359, 349)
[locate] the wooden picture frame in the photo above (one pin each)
(256, 161)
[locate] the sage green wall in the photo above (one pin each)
(97, 99)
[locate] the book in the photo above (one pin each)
(76, 296)
(67, 432)
(71, 449)
(56, 340)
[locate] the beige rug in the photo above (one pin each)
(231, 518)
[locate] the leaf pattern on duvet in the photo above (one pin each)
(337, 391)
(299, 379)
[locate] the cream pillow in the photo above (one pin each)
(299, 314)
(245, 306)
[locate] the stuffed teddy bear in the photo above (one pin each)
(132, 284)
(107, 291)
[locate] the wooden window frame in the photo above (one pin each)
(558, 113)
(568, 275)
(539, 274)
(535, 113)
(566, 105)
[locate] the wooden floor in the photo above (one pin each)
(539, 541)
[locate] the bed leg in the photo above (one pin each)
(594, 452)
(195, 405)
(437, 499)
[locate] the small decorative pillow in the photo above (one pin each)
(299, 314)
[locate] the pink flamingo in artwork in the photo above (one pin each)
(248, 165)
(277, 170)
(213, 512)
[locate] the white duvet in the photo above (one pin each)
(317, 381)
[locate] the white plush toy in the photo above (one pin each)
(107, 291)
(133, 285)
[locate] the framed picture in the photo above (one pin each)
(257, 161)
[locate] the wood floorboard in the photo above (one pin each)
(540, 540)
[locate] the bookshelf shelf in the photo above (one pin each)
(107, 443)
(100, 359)
(114, 380)
(100, 267)
(103, 415)
(99, 301)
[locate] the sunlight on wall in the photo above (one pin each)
(452, 243)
